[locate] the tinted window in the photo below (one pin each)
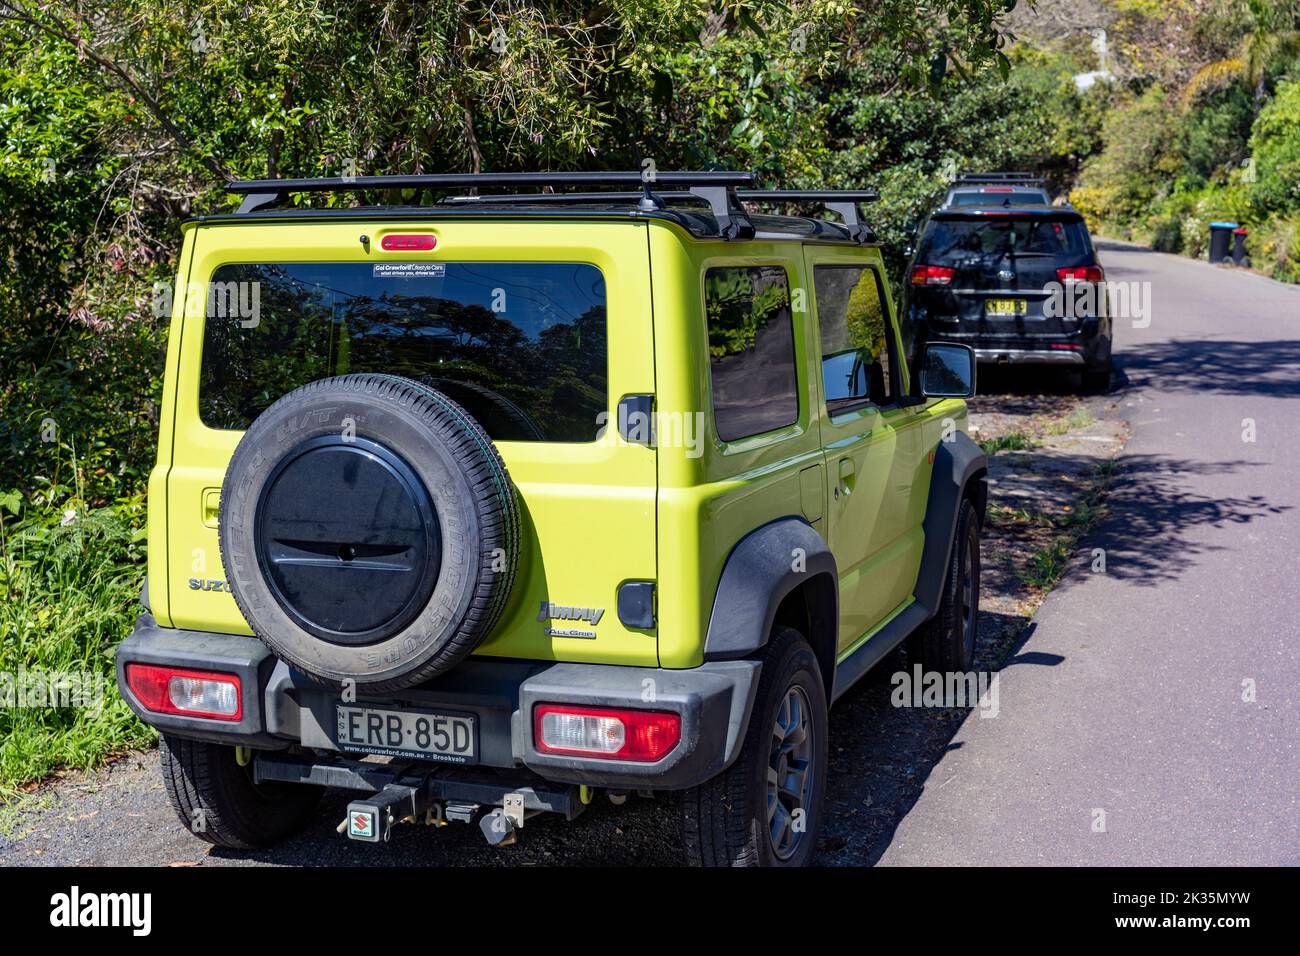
(520, 345)
(854, 336)
(957, 241)
(751, 350)
(1012, 197)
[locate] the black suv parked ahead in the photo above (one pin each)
(1013, 277)
(996, 189)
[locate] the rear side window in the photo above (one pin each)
(751, 350)
(520, 345)
(961, 241)
(854, 337)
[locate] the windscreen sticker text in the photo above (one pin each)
(410, 270)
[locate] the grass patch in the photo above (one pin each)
(70, 578)
(1079, 418)
(1013, 441)
(13, 813)
(1046, 565)
(1083, 515)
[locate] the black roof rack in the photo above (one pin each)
(1006, 178)
(842, 202)
(719, 190)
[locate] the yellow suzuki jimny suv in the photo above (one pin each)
(540, 485)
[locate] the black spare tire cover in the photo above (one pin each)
(369, 531)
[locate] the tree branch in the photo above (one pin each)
(51, 25)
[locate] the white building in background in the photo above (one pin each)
(1084, 81)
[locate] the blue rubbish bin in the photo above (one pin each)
(1221, 241)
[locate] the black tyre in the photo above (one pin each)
(217, 800)
(369, 531)
(1096, 380)
(946, 642)
(765, 809)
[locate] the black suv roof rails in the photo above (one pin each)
(719, 189)
(982, 179)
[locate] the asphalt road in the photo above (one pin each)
(1156, 719)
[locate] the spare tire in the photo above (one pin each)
(369, 531)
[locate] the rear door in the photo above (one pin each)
(538, 338)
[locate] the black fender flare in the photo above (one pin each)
(960, 470)
(763, 568)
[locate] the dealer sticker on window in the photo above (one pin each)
(410, 270)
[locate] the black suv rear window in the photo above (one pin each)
(520, 345)
(996, 197)
(951, 241)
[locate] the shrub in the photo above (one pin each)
(1275, 247)
(69, 580)
(1275, 147)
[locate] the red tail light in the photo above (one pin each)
(932, 275)
(408, 243)
(1081, 274)
(171, 690)
(611, 733)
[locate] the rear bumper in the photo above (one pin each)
(282, 708)
(1018, 356)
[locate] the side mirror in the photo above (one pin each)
(947, 370)
(909, 230)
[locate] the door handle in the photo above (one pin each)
(211, 506)
(845, 485)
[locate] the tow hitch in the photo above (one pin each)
(373, 819)
(411, 793)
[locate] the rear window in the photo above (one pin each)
(954, 241)
(751, 350)
(520, 345)
(988, 197)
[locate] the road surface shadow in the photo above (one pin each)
(1270, 368)
(1149, 528)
